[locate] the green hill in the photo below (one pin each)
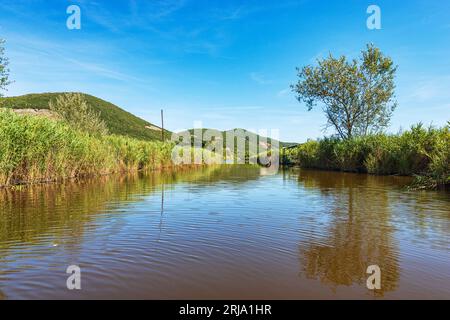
(248, 135)
(118, 120)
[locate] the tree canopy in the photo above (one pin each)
(4, 71)
(357, 96)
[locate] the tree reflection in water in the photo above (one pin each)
(359, 232)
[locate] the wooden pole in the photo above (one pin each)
(162, 125)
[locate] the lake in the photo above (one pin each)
(225, 232)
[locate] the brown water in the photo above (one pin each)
(225, 232)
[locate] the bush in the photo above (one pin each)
(418, 151)
(74, 109)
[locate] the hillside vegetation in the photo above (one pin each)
(118, 121)
(249, 135)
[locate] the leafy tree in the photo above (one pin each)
(4, 71)
(357, 96)
(74, 109)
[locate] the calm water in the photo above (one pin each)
(225, 232)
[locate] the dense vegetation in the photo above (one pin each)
(75, 143)
(36, 149)
(117, 120)
(424, 152)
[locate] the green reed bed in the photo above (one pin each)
(421, 152)
(36, 149)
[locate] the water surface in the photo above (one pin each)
(225, 232)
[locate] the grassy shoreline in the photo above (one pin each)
(37, 149)
(420, 152)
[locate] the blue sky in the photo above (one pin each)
(224, 63)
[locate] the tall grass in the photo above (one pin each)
(420, 151)
(35, 149)
(117, 120)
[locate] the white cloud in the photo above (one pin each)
(259, 78)
(283, 93)
(430, 89)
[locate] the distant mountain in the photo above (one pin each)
(249, 134)
(117, 120)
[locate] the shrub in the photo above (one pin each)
(74, 109)
(418, 151)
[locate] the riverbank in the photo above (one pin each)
(420, 152)
(37, 149)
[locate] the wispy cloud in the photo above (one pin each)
(435, 88)
(283, 93)
(248, 8)
(103, 71)
(62, 61)
(143, 15)
(259, 78)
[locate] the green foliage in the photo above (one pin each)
(357, 95)
(4, 71)
(117, 120)
(36, 149)
(73, 108)
(420, 151)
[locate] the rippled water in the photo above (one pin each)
(225, 232)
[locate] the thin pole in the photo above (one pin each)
(162, 125)
(162, 211)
